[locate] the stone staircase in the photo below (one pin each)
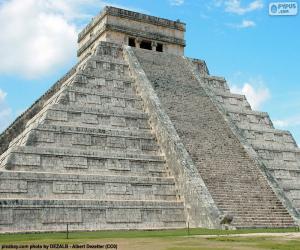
(233, 178)
(89, 158)
(276, 148)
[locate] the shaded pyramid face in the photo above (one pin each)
(88, 158)
(245, 163)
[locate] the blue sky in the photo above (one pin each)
(258, 54)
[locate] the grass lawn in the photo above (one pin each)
(198, 239)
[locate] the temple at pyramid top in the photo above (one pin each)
(131, 28)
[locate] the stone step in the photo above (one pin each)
(241, 189)
(250, 118)
(273, 146)
(118, 167)
(37, 185)
(285, 174)
(97, 130)
(274, 165)
(29, 159)
(233, 102)
(246, 205)
(83, 130)
(279, 154)
(263, 220)
(248, 127)
(250, 213)
(290, 184)
(215, 83)
(240, 199)
(105, 83)
(100, 111)
(53, 215)
(108, 70)
(296, 203)
(63, 136)
(113, 93)
(272, 143)
(269, 225)
(247, 197)
(263, 224)
(94, 59)
(73, 158)
(270, 136)
(230, 95)
(235, 183)
(60, 114)
(106, 63)
(101, 99)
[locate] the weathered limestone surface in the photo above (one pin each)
(89, 158)
(234, 180)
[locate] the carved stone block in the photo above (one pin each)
(97, 81)
(81, 139)
(26, 159)
(118, 188)
(115, 164)
(57, 115)
(116, 142)
(61, 215)
(123, 215)
(89, 118)
(13, 186)
(6, 216)
(118, 102)
(93, 99)
(118, 121)
(74, 162)
(67, 188)
(172, 215)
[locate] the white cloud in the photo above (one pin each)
(243, 25)
(2, 95)
(234, 6)
(176, 2)
(247, 24)
(5, 111)
(35, 37)
(255, 96)
(39, 36)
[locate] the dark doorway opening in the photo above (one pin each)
(146, 45)
(131, 41)
(159, 47)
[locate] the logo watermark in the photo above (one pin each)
(283, 8)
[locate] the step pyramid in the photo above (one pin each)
(89, 158)
(133, 138)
